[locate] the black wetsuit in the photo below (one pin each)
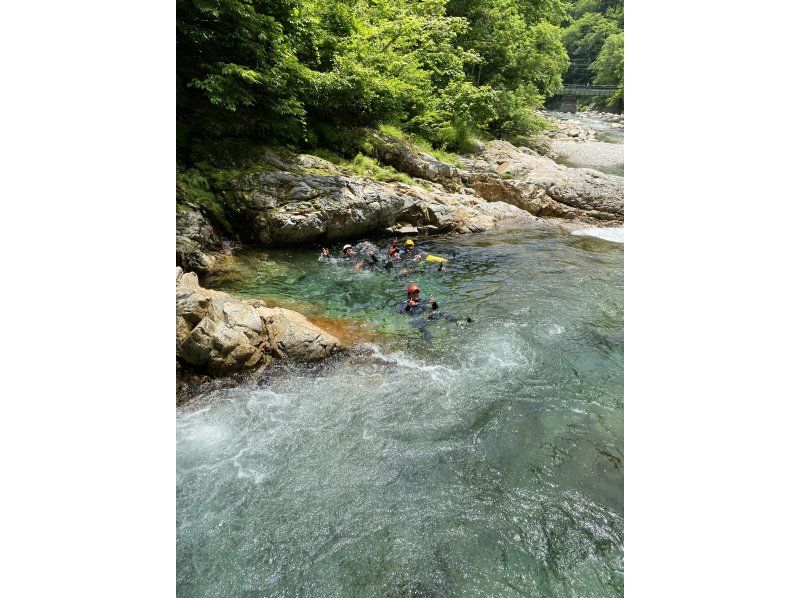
(420, 307)
(369, 262)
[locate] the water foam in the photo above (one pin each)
(615, 235)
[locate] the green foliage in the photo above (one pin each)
(364, 166)
(583, 40)
(422, 144)
(194, 189)
(456, 116)
(392, 131)
(591, 23)
(515, 43)
(299, 72)
(517, 116)
(609, 67)
(612, 9)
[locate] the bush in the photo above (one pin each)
(366, 166)
(194, 189)
(517, 113)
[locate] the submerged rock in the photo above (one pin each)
(219, 334)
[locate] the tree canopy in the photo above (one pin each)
(294, 71)
(591, 29)
(301, 72)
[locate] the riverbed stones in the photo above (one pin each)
(569, 129)
(219, 334)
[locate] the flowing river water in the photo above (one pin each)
(435, 458)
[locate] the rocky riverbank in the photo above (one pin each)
(270, 197)
(217, 334)
(276, 198)
(588, 139)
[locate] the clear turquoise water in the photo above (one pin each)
(484, 461)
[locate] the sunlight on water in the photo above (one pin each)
(485, 460)
(615, 234)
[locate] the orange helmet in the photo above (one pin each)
(412, 288)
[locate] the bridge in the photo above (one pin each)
(570, 93)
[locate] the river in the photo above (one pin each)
(605, 153)
(449, 459)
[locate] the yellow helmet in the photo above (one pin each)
(409, 242)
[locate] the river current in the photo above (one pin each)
(438, 458)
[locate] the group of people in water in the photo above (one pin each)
(365, 257)
(394, 254)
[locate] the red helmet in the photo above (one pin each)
(412, 288)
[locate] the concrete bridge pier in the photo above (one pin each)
(569, 104)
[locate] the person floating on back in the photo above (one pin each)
(414, 305)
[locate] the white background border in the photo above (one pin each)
(711, 420)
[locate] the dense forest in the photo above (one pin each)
(305, 72)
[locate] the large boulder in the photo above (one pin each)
(285, 208)
(219, 334)
(503, 172)
(296, 337)
(406, 158)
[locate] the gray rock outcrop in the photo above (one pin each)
(504, 172)
(293, 199)
(286, 208)
(406, 158)
(195, 240)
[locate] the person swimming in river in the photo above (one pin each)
(415, 256)
(411, 250)
(347, 252)
(426, 313)
(414, 305)
(369, 263)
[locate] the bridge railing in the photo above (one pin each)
(590, 86)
